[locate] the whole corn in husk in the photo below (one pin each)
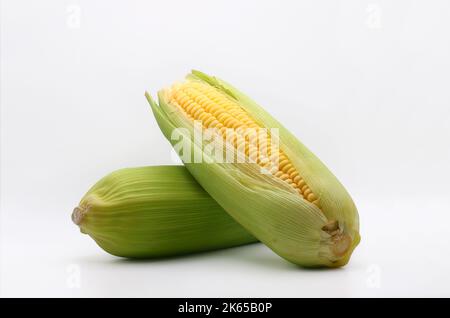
(279, 191)
(154, 212)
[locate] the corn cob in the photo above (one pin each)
(279, 191)
(154, 212)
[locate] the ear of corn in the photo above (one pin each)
(299, 209)
(154, 212)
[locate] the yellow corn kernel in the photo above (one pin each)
(217, 110)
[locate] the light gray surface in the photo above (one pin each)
(363, 83)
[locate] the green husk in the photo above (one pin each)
(155, 211)
(292, 227)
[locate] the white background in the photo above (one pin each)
(365, 84)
